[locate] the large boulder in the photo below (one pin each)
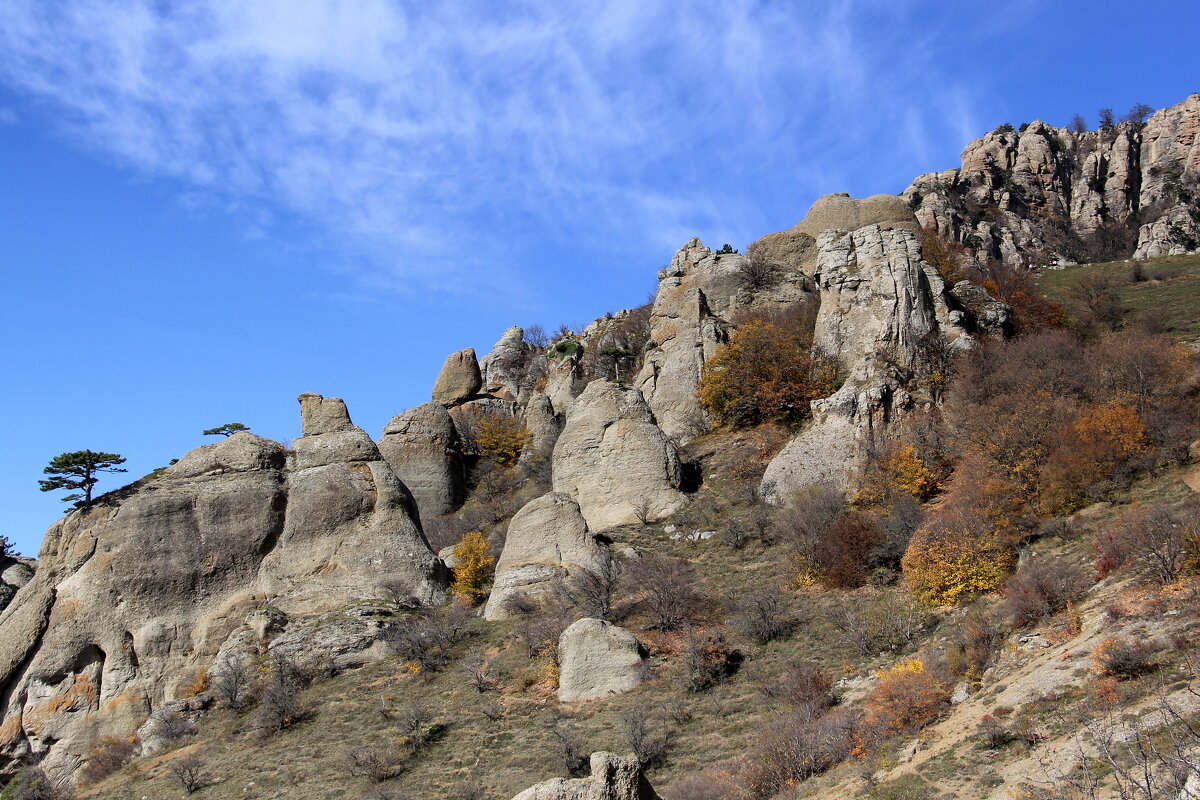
(547, 540)
(879, 302)
(614, 460)
(134, 598)
(613, 778)
(513, 367)
(422, 447)
(597, 659)
(459, 379)
(843, 212)
(15, 572)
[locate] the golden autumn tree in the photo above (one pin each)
(767, 372)
(957, 555)
(474, 568)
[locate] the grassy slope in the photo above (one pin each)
(1170, 293)
(508, 755)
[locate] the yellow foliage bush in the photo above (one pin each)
(955, 557)
(901, 469)
(197, 684)
(767, 372)
(500, 439)
(473, 572)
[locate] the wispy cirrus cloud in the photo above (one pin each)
(459, 129)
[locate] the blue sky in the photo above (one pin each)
(207, 208)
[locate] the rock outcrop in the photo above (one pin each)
(459, 380)
(15, 572)
(614, 461)
(1043, 194)
(422, 447)
(547, 540)
(135, 597)
(597, 659)
(513, 367)
(613, 778)
(879, 302)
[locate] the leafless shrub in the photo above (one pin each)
(1122, 657)
(168, 725)
(1042, 586)
(190, 772)
(758, 272)
(232, 681)
(479, 674)
(803, 688)
(536, 336)
(645, 734)
(108, 755)
(593, 591)
(427, 640)
(975, 640)
(794, 748)
(710, 784)
(493, 710)
(279, 702)
(1157, 540)
(34, 783)
(466, 790)
(669, 590)
(707, 659)
(540, 632)
(761, 616)
(377, 764)
(389, 794)
(398, 591)
(643, 509)
(879, 623)
(416, 724)
(570, 750)
(802, 523)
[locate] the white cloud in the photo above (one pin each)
(458, 130)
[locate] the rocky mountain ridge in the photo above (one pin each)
(243, 544)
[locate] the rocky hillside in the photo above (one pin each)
(580, 534)
(1041, 195)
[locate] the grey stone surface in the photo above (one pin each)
(597, 659)
(611, 457)
(613, 778)
(459, 379)
(422, 447)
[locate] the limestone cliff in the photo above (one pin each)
(134, 598)
(1043, 194)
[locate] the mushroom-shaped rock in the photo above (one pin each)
(329, 435)
(459, 379)
(614, 460)
(613, 778)
(547, 540)
(241, 452)
(423, 449)
(596, 659)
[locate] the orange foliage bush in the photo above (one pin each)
(474, 567)
(197, 684)
(1085, 449)
(767, 372)
(907, 698)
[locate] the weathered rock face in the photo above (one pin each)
(696, 306)
(15, 572)
(547, 540)
(597, 659)
(845, 213)
(1046, 193)
(613, 778)
(611, 458)
(459, 379)
(878, 301)
(133, 597)
(543, 423)
(422, 447)
(513, 367)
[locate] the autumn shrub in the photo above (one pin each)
(1121, 657)
(808, 513)
(1042, 586)
(898, 469)
(108, 755)
(907, 697)
(473, 569)
(975, 640)
(426, 641)
(646, 734)
(954, 557)
(879, 622)
(494, 438)
(761, 616)
(767, 372)
(839, 558)
(1083, 451)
